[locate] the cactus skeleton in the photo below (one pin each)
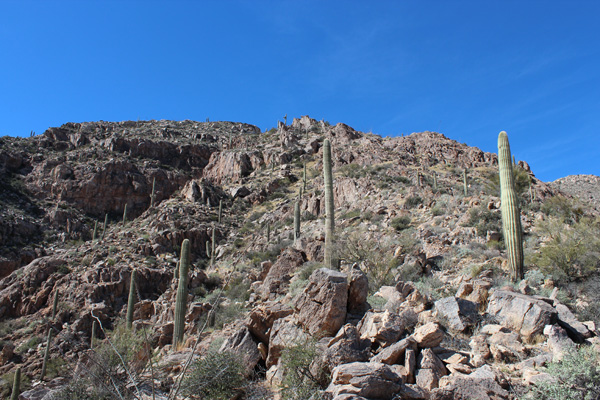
(511, 220)
(182, 294)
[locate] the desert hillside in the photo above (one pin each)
(418, 302)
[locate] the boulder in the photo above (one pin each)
(261, 318)
(243, 344)
(321, 307)
(430, 370)
(386, 327)
(284, 333)
(521, 313)
(371, 380)
(346, 347)
(481, 384)
(558, 341)
(278, 278)
(396, 352)
(428, 335)
(506, 347)
(576, 330)
(358, 291)
(455, 313)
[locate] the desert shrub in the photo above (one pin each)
(491, 184)
(375, 256)
(563, 208)
(301, 379)
(484, 220)
(104, 376)
(567, 252)
(412, 202)
(576, 377)
(400, 223)
(217, 375)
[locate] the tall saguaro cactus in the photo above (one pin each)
(212, 248)
(182, 294)
(153, 191)
(296, 221)
(511, 220)
(465, 186)
(329, 218)
(16, 385)
(131, 300)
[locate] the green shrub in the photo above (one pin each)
(576, 377)
(484, 220)
(400, 223)
(568, 252)
(412, 202)
(217, 376)
(562, 208)
(300, 381)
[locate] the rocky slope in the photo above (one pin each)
(584, 187)
(418, 309)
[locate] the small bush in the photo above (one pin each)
(400, 223)
(484, 220)
(217, 376)
(412, 202)
(562, 208)
(300, 381)
(576, 377)
(568, 252)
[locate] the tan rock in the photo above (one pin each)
(370, 380)
(428, 335)
(322, 306)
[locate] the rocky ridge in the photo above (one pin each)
(417, 310)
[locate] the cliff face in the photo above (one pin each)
(401, 214)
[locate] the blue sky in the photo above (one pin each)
(467, 69)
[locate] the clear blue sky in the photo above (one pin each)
(467, 69)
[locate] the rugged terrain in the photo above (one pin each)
(421, 306)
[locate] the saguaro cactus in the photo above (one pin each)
(296, 221)
(329, 218)
(105, 225)
(131, 300)
(220, 211)
(93, 338)
(46, 354)
(304, 178)
(465, 187)
(125, 214)
(511, 220)
(434, 181)
(16, 385)
(153, 191)
(182, 294)
(268, 233)
(95, 230)
(212, 248)
(55, 304)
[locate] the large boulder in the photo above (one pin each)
(278, 278)
(243, 344)
(358, 291)
(431, 369)
(481, 384)
(261, 318)
(370, 380)
(428, 335)
(395, 354)
(455, 313)
(524, 314)
(386, 327)
(346, 347)
(321, 307)
(284, 333)
(576, 330)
